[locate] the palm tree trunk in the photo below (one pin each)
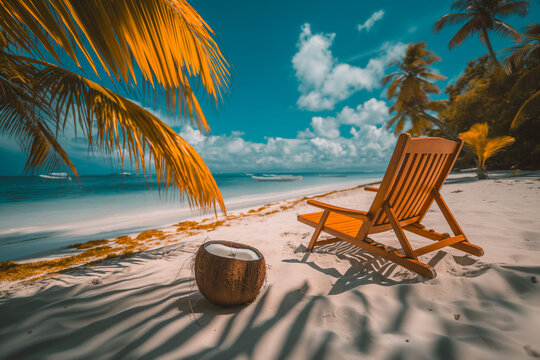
(481, 172)
(488, 44)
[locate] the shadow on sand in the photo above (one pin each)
(148, 314)
(365, 268)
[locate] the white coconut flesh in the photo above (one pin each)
(231, 252)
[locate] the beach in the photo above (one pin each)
(61, 213)
(337, 302)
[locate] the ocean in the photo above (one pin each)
(39, 217)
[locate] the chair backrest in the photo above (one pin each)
(417, 167)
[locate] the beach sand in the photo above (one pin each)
(338, 302)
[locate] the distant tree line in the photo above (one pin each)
(496, 95)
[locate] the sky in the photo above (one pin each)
(305, 90)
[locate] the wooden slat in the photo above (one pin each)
(422, 187)
(327, 241)
(399, 232)
(439, 244)
(338, 209)
(403, 176)
(433, 235)
(412, 188)
(388, 226)
(430, 181)
(431, 145)
(442, 177)
(389, 175)
(332, 219)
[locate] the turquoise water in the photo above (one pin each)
(41, 216)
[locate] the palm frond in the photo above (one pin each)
(519, 53)
(496, 144)
(449, 19)
(392, 89)
(434, 76)
(529, 80)
(476, 138)
(506, 30)
(116, 125)
(468, 29)
(519, 8)
(387, 78)
(166, 39)
(461, 4)
(24, 118)
(532, 102)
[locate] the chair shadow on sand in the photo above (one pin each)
(367, 268)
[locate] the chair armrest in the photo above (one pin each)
(344, 211)
(371, 188)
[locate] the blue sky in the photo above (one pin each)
(305, 92)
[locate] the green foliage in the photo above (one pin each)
(526, 56)
(485, 94)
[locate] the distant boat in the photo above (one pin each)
(266, 177)
(248, 174)
(332, 175)
(125, 173)
(56, 176)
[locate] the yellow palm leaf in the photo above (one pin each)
(114, 124)
(477, 139)
(166, 39)
(496, 144)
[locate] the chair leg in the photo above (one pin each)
(318, 230)
(405, 245)
(465, 246)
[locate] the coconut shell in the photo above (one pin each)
(226, 281)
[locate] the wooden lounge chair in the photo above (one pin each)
(413, 179)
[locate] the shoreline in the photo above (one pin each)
(93, 252)
(43, 233)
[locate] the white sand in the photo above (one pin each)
(336, 303)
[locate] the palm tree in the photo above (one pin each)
(526, 55)
(481, 16)
(160, 45)
(411, 87)
(477, 138)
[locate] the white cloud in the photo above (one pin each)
(372, 112)
(327, 127)
(364, 143)
(324, 81)
(368, 24)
